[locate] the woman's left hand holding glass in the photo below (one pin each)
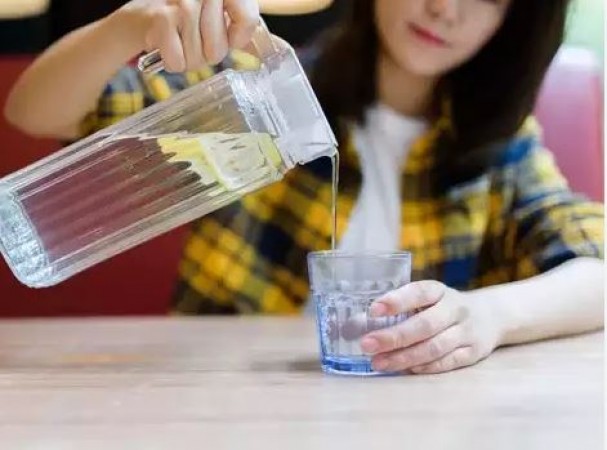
(447, 329)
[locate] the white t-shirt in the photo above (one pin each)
(382, 145)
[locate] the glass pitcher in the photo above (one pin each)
(170, 164)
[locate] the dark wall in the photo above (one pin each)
(300, 30)
(67, 15)
(25, 35)
(32, 35)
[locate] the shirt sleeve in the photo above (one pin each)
(549, 224)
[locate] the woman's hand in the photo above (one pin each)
(190, 33)
(450, 330)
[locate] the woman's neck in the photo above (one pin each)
(406, 93)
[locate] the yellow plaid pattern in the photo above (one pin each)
(517, 220)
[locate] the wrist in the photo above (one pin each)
(498, 313)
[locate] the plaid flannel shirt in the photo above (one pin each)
(517, 220)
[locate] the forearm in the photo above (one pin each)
(564, 301)
(55, 94)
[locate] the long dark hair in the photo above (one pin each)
(489, 96)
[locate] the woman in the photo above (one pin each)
(430, 100)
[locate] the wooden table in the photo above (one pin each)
(255, 384)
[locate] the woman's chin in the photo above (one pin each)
(422, 66)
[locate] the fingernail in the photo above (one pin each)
(378, 309)
(369, 345)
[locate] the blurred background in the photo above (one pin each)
(570, 109)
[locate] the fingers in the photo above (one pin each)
(458, 358)
(410, 297)
(244, 18)
(191, 34)
(422, 353)
(360, 324)
(213, 29)
(165, 36)
(413, 330)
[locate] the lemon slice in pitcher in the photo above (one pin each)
(188, 150)
(232, 160)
